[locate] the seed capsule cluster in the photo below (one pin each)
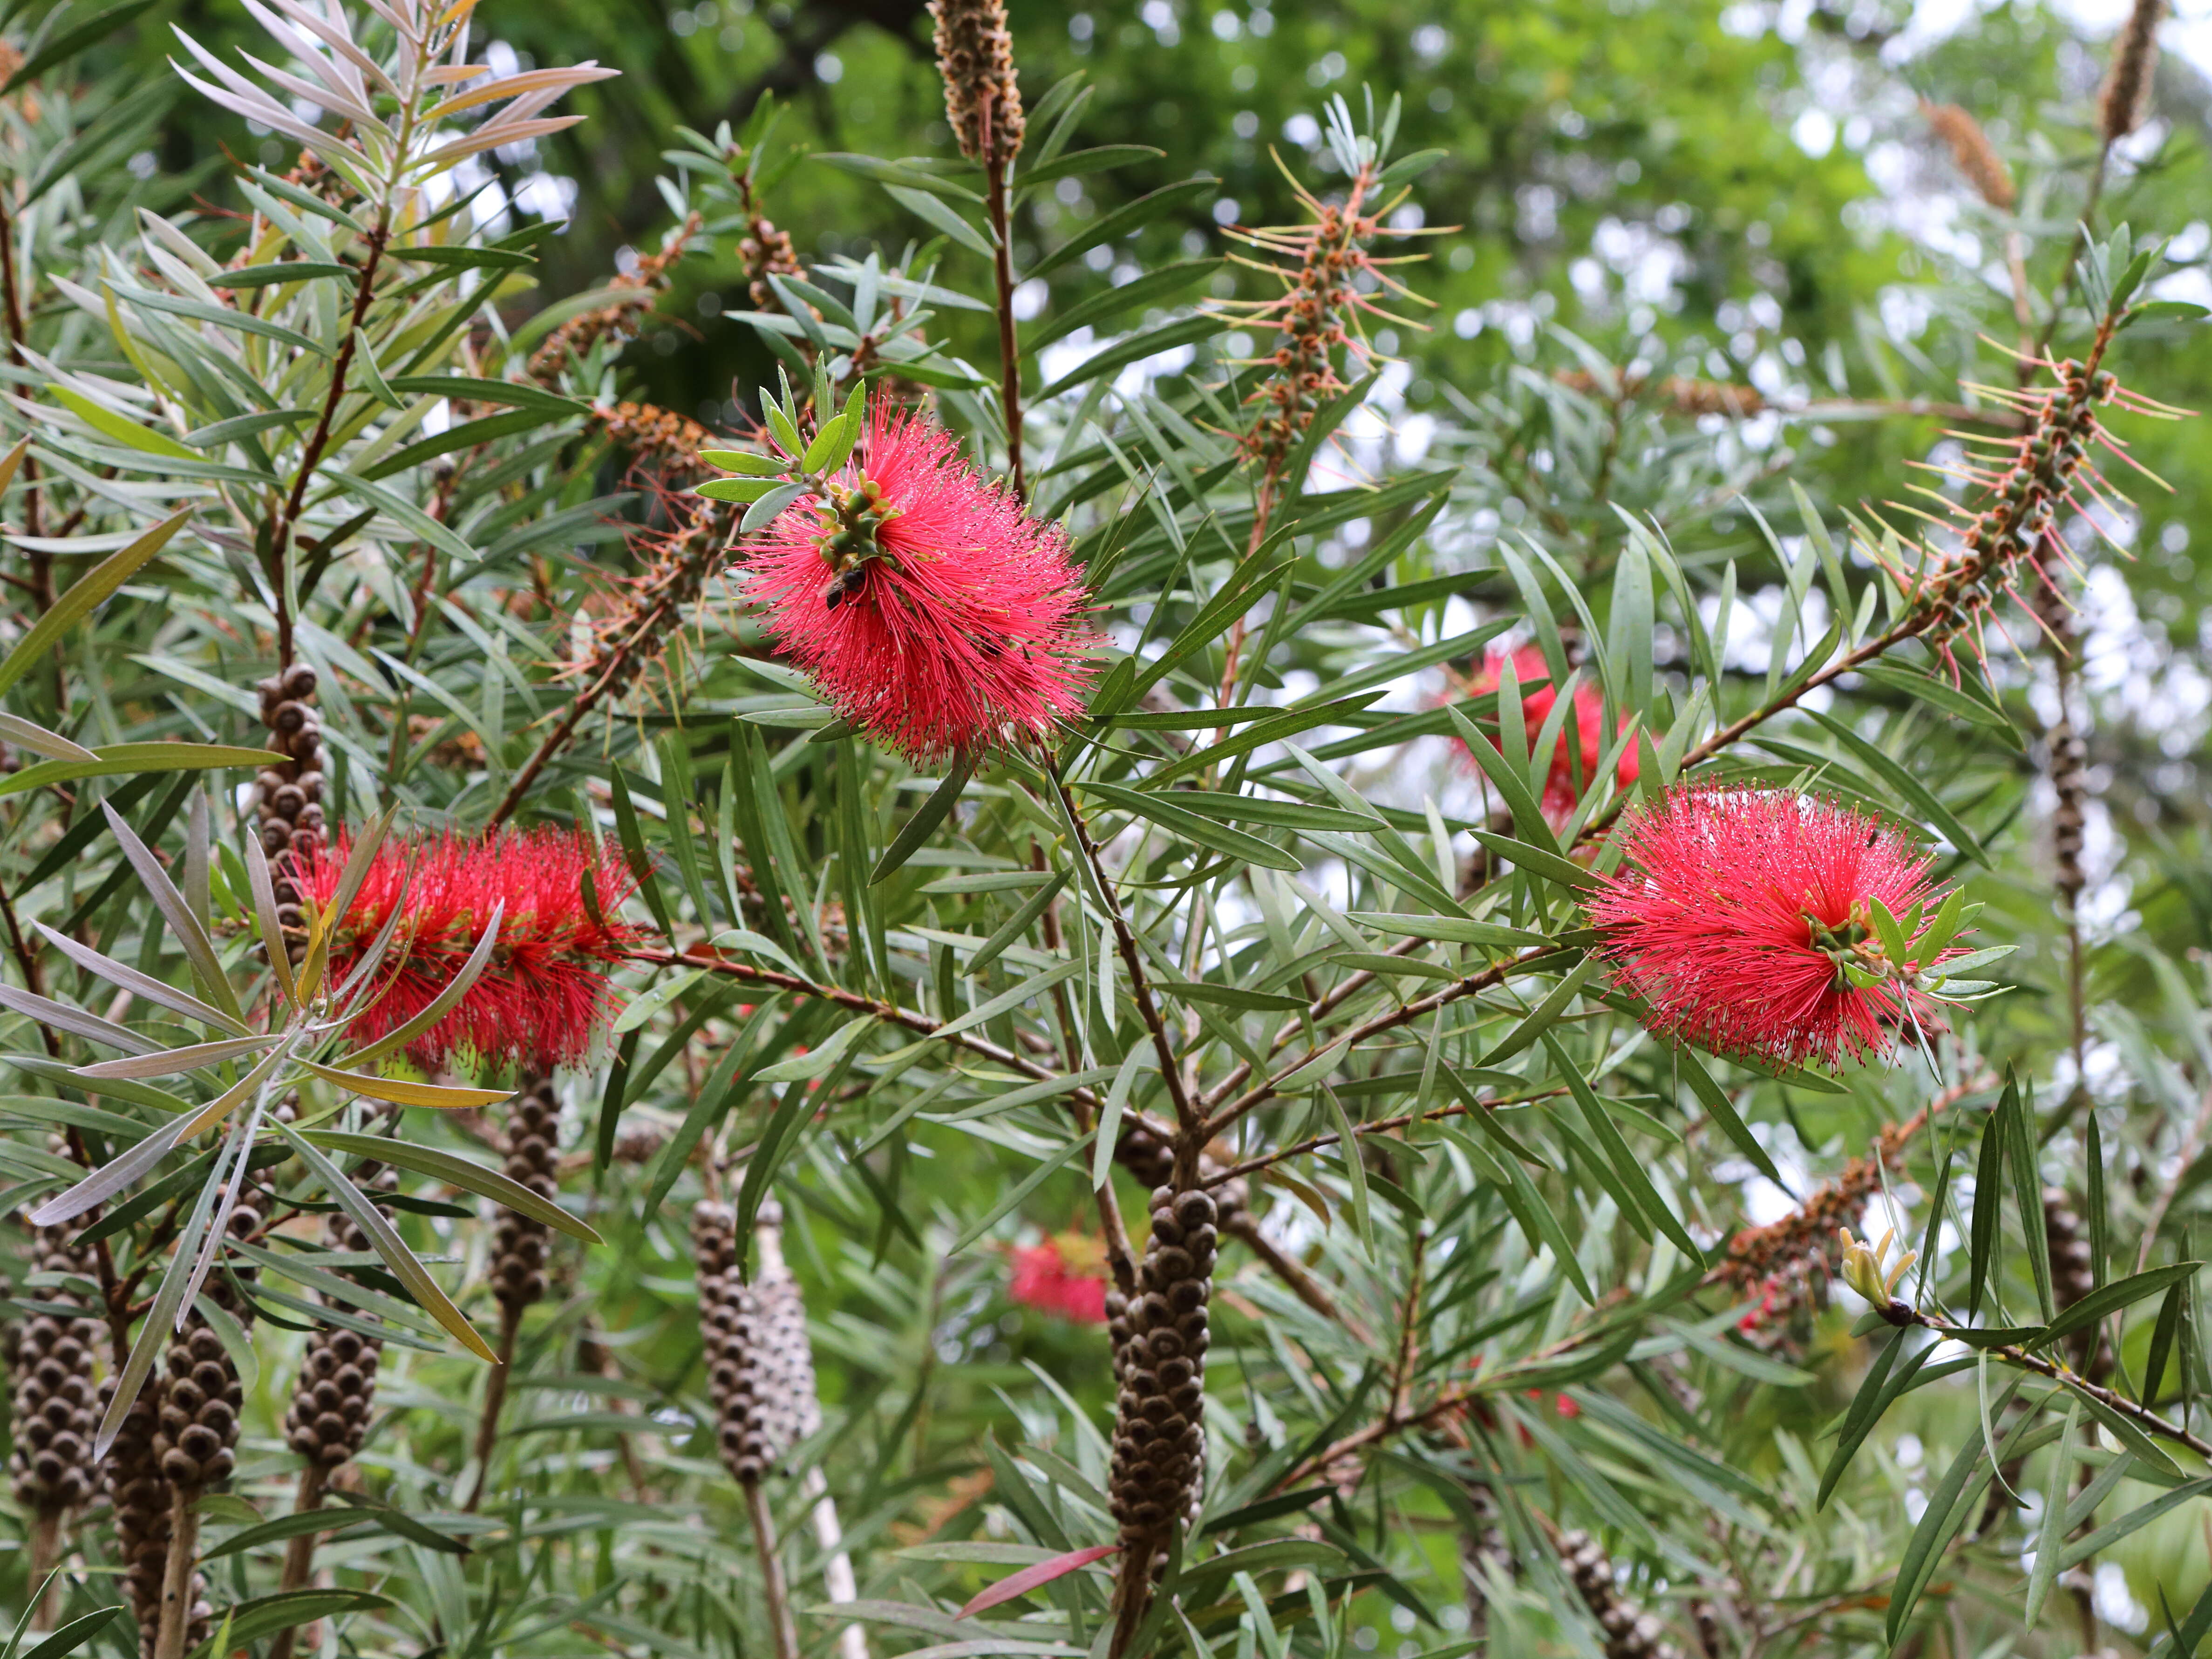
(196, 1434)
(337, 1387)
(1159, 1339)
(1628, 1634)
(518, 1269)
(143, 1501)
(58, 1403)
(760, 1371)
(289, 796)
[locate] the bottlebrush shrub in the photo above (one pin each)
(1774, 925)
(932, 612)
(542, 1001)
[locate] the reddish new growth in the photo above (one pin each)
(1742, 918)
(1064, 1275)
(542, 1000)
(1581, 742)
(931, 610)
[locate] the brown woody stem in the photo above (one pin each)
(774, 1591)
(510, 1332)
(177, 1579)
(1010, 355)
(300, 1553)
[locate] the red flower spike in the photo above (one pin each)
(1584, 730)
(1061, 1276)
(931, 611)
(1736, 909)
(542, 1000)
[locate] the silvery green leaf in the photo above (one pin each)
(143, 985)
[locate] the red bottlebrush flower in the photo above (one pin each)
(1584, 729)
(1737, 909)
(542, 1001)
(1062, 1276)
(933, 612)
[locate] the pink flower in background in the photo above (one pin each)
(1735, 909)
(1062, 1275)
(1585, 728)
(929, 608)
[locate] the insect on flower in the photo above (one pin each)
(931, 611)
(1782, 926)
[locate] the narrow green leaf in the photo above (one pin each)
(1989, 1213)
(460, 1172)
(2051, 1533)
(74, 606)
(919, 827)
(2027, 1191)
(389, 1245)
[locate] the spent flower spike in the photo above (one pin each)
(929, 610)
(1782, 926)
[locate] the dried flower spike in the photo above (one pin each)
(2124, 99)
(1765, 924)
(931, 610)
(1972, 153)
(2023, 483)
(976, 55)
(542, 1001)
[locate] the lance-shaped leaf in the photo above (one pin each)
(358, 859)
(399, 1091)
(198, 948)
(231, 1172)
(388, 1244)
(1037, 1575)
(372, 958)
(74, 606)
(132, 759)
(111, 1178)
(29, 734)
(142, 985)
(265, 912)
(461, 1172)
(917, 829)
(154, 1334)
(229, 1101)
(173, 1062)
(75, 1021)
(393, 1041)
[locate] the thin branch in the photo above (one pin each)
(1903, 1313)
(1010, 356)
(282, 522)
(1405, 1014)
(1379, 1127)
(1191, 1135)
